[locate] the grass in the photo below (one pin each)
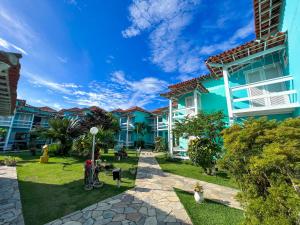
(49, 191)
(209, 212)
(186, 169)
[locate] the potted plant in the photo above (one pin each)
(198, 193)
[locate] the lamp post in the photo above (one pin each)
(93, 131)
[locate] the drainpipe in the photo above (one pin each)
(156, 126)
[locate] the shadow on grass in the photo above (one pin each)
(209, 212)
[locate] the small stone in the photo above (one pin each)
(97, 213)
(129, 210)
(108, 214)
(119, 217)
(87, 214)
(72, 223)
(151, 212)
(151, 221)
(133, 217)
(143, 210)
(90, 221)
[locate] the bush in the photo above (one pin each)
(9, 161)
(203, 152)
(54, 149)
(264, 158)
(160, 144)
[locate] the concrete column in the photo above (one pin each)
(196, 102)
(127, 131)
(170, 141)
(228, 95)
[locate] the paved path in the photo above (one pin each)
(152, 202)
(10, 203)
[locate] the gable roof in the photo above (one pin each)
(47, 109)
(216, 63)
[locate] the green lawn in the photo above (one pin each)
(209, 212)
(49, 191)
(186, 169)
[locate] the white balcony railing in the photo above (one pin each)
(5, 121)
(162, 126)
(275, 95)
(124, 126)
(22, 124)
(184, 112)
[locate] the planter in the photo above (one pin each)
(199, 198)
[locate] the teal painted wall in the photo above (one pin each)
(290, 17)
(215, 100)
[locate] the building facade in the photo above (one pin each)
(258, 78)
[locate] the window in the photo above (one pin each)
(189, 102)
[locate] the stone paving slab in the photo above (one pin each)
(10, 203)
(152, 202)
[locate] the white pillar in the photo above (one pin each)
(170, 128)
(120, 121)
(127, 128)
(228, 95)
(196, 102)
(156, 126)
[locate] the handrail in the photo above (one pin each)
(262, 83)
(282, 93)
(182, 109)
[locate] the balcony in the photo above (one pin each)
(5, 121)
(271, 96)
(22, 124)
(162, 126)
(124, 126)
(184, 112)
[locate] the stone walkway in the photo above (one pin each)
(152, 202)
(10, 203)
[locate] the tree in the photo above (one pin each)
(264, 157)
(104, 139)
(99, 118)
(206, 145)
(2, 133)
(62, 130)
(140, 128)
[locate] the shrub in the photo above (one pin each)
(160, 145)
(203, 152)
(9, 161)
(264, 158)
(54, 149)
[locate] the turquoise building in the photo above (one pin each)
(128, 135)
(26, 118)
(258, 78)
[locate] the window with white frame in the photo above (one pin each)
(189, 102)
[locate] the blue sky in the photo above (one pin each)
(116, 53)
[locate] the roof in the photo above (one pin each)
(9, 78)
(47, 109)
(163, 109)
(266, 17)
(131, 109)
(185, 87)
(216, 63)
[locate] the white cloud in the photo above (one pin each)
(38, 81)
(9, 46)
(166, 20)
(233, 41)
(15, 27)
(119, 92)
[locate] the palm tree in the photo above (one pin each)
(140, 128)
(62, 130)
